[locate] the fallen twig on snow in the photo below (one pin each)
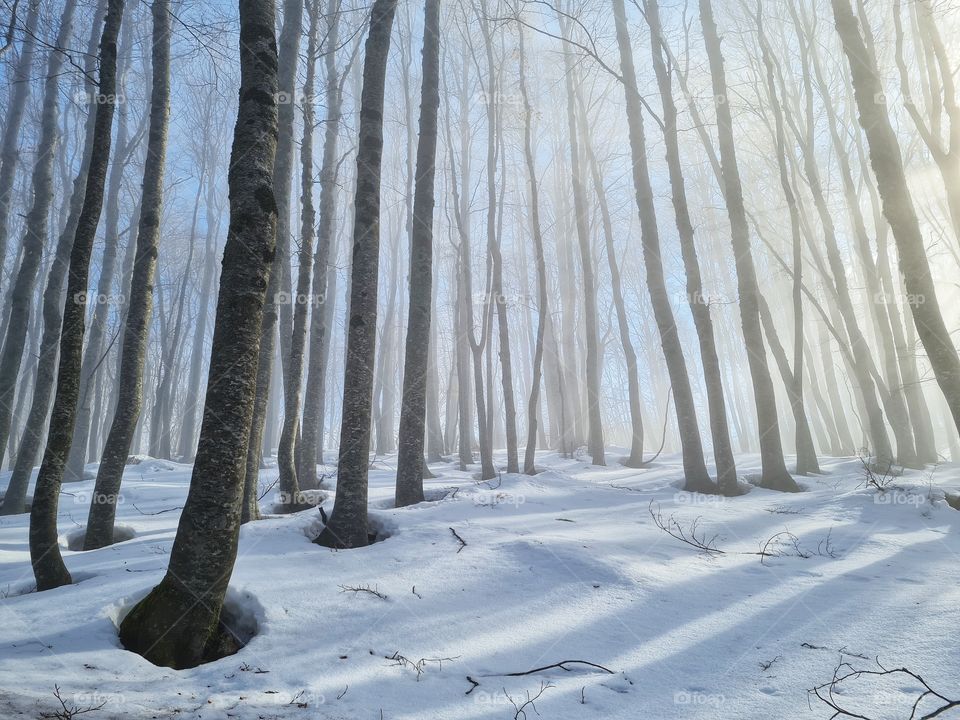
(363, 588)
(827, 692)
(562, 665)
(463, 543)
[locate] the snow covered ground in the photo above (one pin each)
(567, 565)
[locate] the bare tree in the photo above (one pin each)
(137, 326)
(48, 567)
(169, 626)
(347, 527)
(412, 420)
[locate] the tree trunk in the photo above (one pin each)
(48, 567)
(170, 627)
(595, 444)
(774, 473)
(412, 421)
(898, 207)
(35, 228)
(137, 326)
(33, 432)
(277, 300)
(529, 458)
(313, 400)
(93, 354)
(286, 450)
(699, 307)
(697, 479)
(16, 106)
(347, 527)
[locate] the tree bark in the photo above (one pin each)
(277, 300)
(898, 207)
(177, 624)
(697, 479)
(48, 566)
(16, 106)
(35, 227)
(774, 473)
(409, 488)
(347, 527)
(137, 326)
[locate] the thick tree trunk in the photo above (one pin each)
(347, 527)
(48, 567)
(277, 300)
(137, 326)
(177, 624)
(412, 421)
(774, 473)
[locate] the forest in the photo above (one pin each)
(479, 359)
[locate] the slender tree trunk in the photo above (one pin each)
(347, 527)
(412, 421)
(48, 566)
(16, 106)
(898, 207)
(543, 309)
(793, 377)
(774, 473)
(35, 226)
(695, 470)
(286, 455)
(595, 444)
(137, 326)
(93, 355)
(313, 406)
(699, 307)
(188, 432)
(33, 432)
(170, 627)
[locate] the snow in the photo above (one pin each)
(567, 565)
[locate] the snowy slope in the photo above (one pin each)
(568, 565)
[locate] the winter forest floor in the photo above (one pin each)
(567, 565)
